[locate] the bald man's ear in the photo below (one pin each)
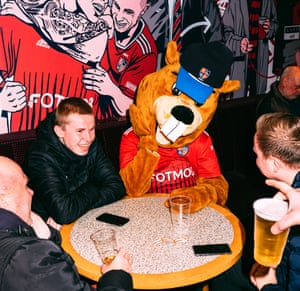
(59, 131)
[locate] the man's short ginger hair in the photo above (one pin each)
(72, 105)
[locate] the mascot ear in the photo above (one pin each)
(172, 55)
(229, 86)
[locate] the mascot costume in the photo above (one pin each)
(167, 150)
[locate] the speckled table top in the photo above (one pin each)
(146, 235)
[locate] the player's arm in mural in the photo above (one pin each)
(99, 80)
(12, 99)
(130, 55)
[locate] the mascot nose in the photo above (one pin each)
(183, 114)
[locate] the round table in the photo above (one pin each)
(158, 261)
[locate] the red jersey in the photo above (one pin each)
(48, 75)
(177, 168)
(127, 65)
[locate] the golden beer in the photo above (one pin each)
(108, 260)
(268, 248)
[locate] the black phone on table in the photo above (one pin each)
(211, 249)
(112, 219)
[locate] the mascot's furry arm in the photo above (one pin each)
(207, 190)
(137, 173)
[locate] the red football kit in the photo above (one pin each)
(48, 75)
(127, 65)
(177, 168)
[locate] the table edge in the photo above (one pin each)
(166, 280)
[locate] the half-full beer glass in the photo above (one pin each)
(268, 248)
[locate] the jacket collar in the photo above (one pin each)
(10, 222)
(296, 182)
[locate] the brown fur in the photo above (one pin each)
(137, 174)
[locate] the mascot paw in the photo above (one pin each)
(199, 200)
(148, 143)
(142, 126)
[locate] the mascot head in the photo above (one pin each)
(177, 102)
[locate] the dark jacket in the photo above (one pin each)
(288, 271)
(67, 185)
(29, 263)
(273, 101)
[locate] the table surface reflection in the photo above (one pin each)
(158, 261)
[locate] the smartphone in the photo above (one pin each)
(112, 219)
(211, 249)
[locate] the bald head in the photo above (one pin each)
(15, 196)
(289, 84)
(9, 172)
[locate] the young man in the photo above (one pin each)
(31, 257)
(67, 167)
(277, 146)
(284, 95)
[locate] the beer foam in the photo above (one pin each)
(270, 208)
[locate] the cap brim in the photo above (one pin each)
(191, 86)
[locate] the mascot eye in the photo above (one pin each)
(175, 91)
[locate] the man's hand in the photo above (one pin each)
(261, 276)
(293, 215)
(53, 223)
(97, 79)
(246, 46)
(122, 261)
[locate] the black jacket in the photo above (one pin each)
(28, 263)
(273, 101)
(67, 185)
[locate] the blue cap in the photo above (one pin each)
(204, 67)
(193, 87)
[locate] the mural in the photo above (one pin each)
(99, 50)
(50, 50)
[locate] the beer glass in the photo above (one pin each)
(106, 244)
(268, 248)
(180, 207)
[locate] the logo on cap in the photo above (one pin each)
(204, 73)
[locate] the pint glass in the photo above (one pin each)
(268, 248)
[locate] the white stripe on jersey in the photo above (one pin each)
(144, 44)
